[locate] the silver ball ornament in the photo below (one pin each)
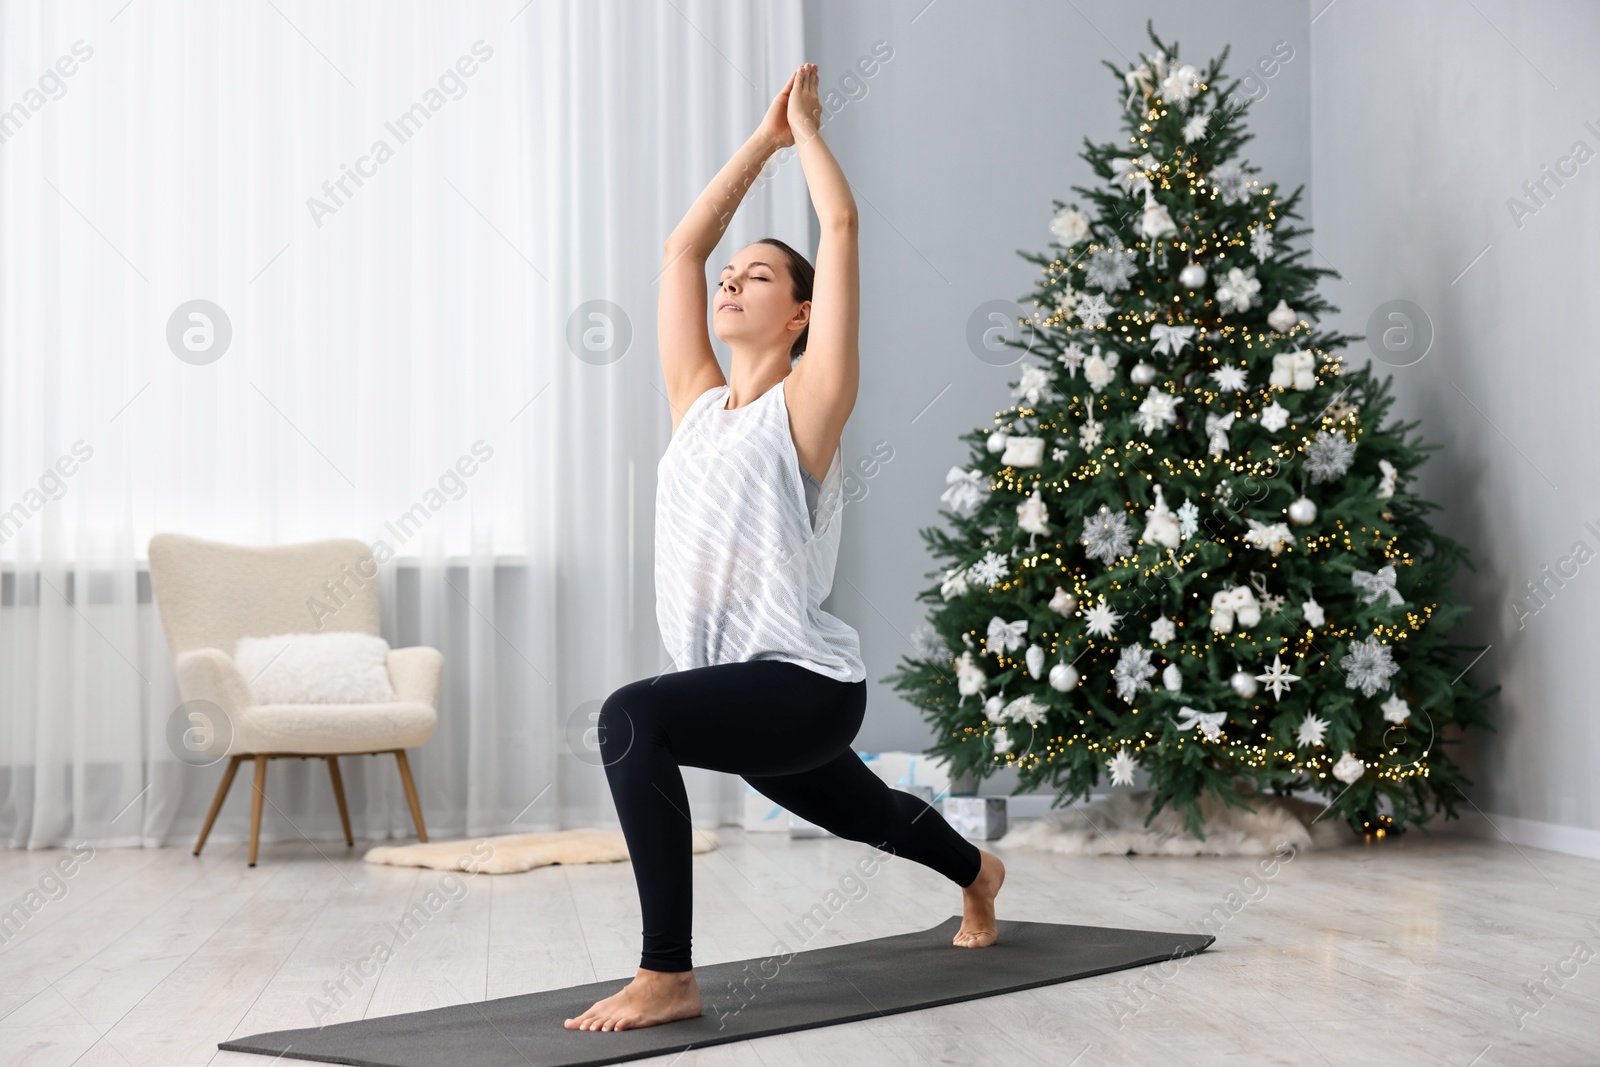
(1192, 276)
(1142, 373)
(997, 441)
(1303, 511)
(1063, 676)
(1243, 684)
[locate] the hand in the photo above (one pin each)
(775, 125)
(805, 110)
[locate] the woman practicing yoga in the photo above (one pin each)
(769, 686)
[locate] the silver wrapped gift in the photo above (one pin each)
(981, 818)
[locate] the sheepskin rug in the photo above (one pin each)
(1115, 825)
(513, 853)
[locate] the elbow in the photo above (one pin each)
(842, 221)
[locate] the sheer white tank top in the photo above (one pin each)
(742, 566)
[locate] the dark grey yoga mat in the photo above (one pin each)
(815, 987)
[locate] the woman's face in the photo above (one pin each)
(754, 301)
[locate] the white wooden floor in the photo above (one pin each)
(1410, 951)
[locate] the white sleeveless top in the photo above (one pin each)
(741, 566)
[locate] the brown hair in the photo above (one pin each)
(803, 275)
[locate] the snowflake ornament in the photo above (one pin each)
(1072, 359)
(1090, 432)
(990, 569)
(1313, 613)
(1133, 671)
(1188, 519)
(1122, 767)
(1163, 630)
(1106, 535)
(1260, 241)
(1102, 619)
(1368, 665)
(1093, 310)
(1329, 455)
(1395, 709)
(1312, 727)
(1110, 268)
(1274, 417)
(1229, 379)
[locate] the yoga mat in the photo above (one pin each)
(769, 995)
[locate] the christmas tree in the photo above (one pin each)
(1189, 546)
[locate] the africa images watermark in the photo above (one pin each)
(52, 487)
(52, 86)
(336, 192)
(51, 888)
(1541, 591)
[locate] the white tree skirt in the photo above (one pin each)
(1115, 824)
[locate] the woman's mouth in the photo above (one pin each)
(729, 305)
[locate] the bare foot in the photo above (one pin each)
(652, 997)
(977, 905)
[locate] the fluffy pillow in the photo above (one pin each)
(338, 667)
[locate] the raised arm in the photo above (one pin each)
(825, 380)
(687, 361)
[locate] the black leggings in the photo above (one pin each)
(785, 729)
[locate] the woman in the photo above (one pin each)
(769, 686)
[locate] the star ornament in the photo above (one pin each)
(1311, 730)
(1277, 677)
(1122, 767)
(1102, 619)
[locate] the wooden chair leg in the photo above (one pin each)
(411, 794)
(255, 805)
(338, 794)
(216, 802)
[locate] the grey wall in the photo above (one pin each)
(954, 151)
(1426, 120)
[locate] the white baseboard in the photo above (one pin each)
(1572, 840)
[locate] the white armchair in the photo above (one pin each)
(210, 594)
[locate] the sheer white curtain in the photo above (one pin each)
(428, 232)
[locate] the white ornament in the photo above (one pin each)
(1002, 740)
(1026, 708)
(1033, 384)
(1142, 373)
(1023, 452)
(1172, 678)
(1160, 525)
(1229, 379)
(1377, 584)
(997, 441)
(964, 490)
(1072, 359)
(1293, 370)
(1102, 619)
(1063, 677)
(1195, 129)
(1237, 604)
(1156, 220)
(1277, 677)
(1089, 433)
(1312, 727)
(993, 708)
(1192, 276)
(954, 584)
(1157, 410)
(1243, 684)
(1349, 769)
(1210, 722)
(1386, 485)
(1097, 371)
(1133, 671)
(1069, 226)
(1032, 515)
(1271, 536)
(1006, 636)
(1122, 767)
(1274, 417)
(1313, 613)
(1282, 318)
(970, 678)
(1181, 86)
(1063, 602)
(1163, 630)
(1303, 512)
(1035, 660)
(1170, 339)
(1238, 292)
(1217, 427)
(1368, 665)
(1395, 709)
(1094, 309)
(1188, 519)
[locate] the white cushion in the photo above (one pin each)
(338, 667)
